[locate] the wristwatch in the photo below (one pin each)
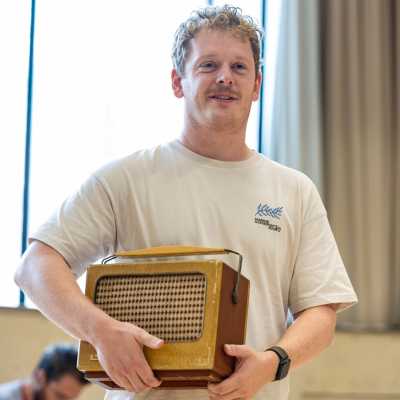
(284, 362)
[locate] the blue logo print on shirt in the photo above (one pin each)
(264, 210)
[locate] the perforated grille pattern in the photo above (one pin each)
(169, 306)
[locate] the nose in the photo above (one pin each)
(224, 76)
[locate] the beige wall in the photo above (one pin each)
(356, 366)
(23, 336)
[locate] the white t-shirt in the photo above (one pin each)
(169, 195)
(11, 390)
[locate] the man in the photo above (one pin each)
(54, 378)
(206, 189)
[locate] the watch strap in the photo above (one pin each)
(279, 352)
(284, 362)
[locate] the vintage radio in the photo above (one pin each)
(193, 302)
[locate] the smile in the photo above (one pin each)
(222, 97)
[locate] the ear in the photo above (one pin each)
(257, 86)
(39, 376)
(176, 81)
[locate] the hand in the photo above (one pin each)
(252, 371)
(119, 348)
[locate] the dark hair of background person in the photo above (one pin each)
(58, 360)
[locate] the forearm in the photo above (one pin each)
(311, 332)
(48, 281)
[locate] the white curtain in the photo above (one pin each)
(336, 116)
(293, 129)
(360, 75)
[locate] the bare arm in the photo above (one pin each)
(47, 279)
(311, 332)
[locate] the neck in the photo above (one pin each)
(219, 143)
(27, 391)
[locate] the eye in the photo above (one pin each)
(207, 66)
(240, 67)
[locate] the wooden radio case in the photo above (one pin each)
(195, 306)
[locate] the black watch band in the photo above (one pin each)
(284, 362)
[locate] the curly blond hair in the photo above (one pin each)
(225, 18)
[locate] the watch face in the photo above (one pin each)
(284, 362)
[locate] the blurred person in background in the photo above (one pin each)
(54, 378)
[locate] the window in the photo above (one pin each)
(14, 45)
(101, 90)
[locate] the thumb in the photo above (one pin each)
(149, 340)
(238, 351)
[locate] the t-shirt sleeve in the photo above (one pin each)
(319, 275)
(83, 229)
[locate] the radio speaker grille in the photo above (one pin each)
(169, 306)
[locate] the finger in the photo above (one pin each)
(114, 374)
(137, 384)
(125, 377)
(149, 340)
(121, 381)
(217, 394)
(235, 395)
(148, 378)
(143, 372)
(147, 375)
(131, 372)
(239, 351)
(227, 386)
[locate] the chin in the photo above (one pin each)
(39, 395)
(224, 122)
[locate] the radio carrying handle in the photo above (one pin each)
(176, 251)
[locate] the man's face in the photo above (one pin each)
(66, 387)
(219, 82)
